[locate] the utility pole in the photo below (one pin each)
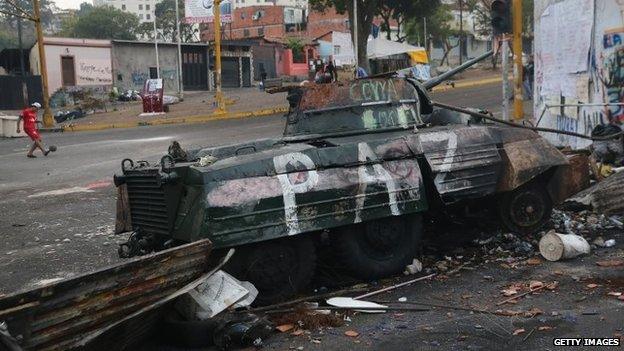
(179, 35)
(156, 48)
(517, 49)
(505, 69)
(461, 31)
(48, 120)
(221, 109)
(355, 35)
(426, 41)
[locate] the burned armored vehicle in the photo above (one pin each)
(358, 165)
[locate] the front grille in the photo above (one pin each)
(148, 205)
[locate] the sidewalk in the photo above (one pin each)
(199, 106)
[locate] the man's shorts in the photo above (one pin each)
(33, 134)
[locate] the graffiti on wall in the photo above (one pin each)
(94, 72)
(612, 76)
(139, 78)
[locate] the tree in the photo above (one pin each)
(102, 23)
(165, 17)
(439, 30)
(481, 11)
(401, 11)
(9, 22)
(367, 11)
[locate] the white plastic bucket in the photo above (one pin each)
(554, 246)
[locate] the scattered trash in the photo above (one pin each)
(610, 263)
(206, 161)
(614, 293)
(402, 299)
(554, 246)
(285, 327)
(357, 305)
(519, 331)
(243, 331)
(415, 267)
(592, 286)
(212, 297)
(545, 328)
(609, 243)
(352, 333)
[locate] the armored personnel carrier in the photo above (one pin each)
(360, 164)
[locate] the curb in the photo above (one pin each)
(474, 83)
(235, 115)
(175, 120)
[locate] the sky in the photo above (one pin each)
(69, 4)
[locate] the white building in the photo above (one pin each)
(73, 62)
(289, 3)
(144, 9)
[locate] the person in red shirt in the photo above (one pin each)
(29, 119)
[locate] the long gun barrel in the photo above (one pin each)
(444, 76)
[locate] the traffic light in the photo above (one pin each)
(500, 12)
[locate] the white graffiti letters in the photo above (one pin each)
(305, 181)
(371, 174)
(451, 149)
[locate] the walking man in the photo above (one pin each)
(29, 119)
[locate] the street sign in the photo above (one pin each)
(202, 11)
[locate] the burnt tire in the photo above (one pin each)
(378, 248)
(526, 209)
(277, 268)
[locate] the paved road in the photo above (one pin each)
(58, 212)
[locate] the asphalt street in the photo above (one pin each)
(57, 215)
(57, 219)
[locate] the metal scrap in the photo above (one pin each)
(66, 314)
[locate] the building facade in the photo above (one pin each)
(73, 62)
(288, 3)
(144, 9)
(135, 61)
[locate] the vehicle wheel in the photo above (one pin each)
(277, 268)
(378, 248)
(525, 210)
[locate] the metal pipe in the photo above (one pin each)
(517, 48)
(179, 35)
(546, 107)
(505, 72)
(217, 29)
(156, 47)
(515, 125)
(355, 36)
(444, 76)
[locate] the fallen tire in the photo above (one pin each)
(378, 248)
(525, 210)
(277, 268)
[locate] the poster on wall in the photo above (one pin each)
(202, 11)
(94, 72)
(565, 33)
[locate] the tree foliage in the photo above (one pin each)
(166, 24)
(9, 23)
(439, 29)
(481, 11)
(101, 23)
(367, 10)
(401, 11)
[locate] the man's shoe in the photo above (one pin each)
(31, 156)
